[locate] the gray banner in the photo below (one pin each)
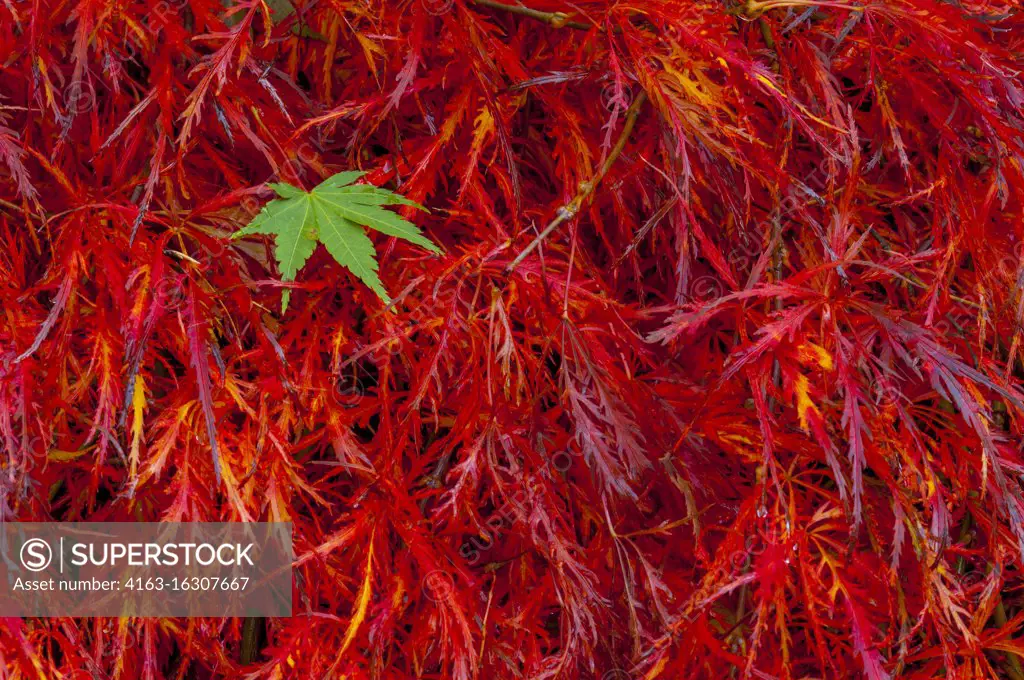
(145, 569)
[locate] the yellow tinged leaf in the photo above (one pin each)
(138, 404)
(329, 52)
(279, 11)
(768, 81)
(692, 87)
(59, 456)
(362, 602)
(451, 123)
(45, 161)
(122, 636)
(398, 595)
(141, 34)
(234, 389)
(278, 506)
(243, 56)
(41, 65)
(657, 668)
(370, 50)
(811, 352)
(483, 125)
(138, 307)
(1010, 646)
(231, 488)
(803, 400)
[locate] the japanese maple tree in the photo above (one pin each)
(702, 360)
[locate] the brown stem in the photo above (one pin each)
(250, 638)
(553, 19)
(572, 208)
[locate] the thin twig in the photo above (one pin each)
(553, 19)
(572, 208)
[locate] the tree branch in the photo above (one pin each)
(553, 19)
(572, 208)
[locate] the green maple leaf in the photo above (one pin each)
(334, 213)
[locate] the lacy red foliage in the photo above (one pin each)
(718, 376)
